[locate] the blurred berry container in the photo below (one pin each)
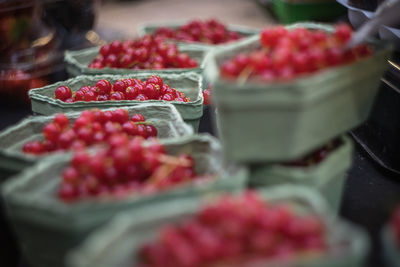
(289, 11)
(116, 243)
(149, 28)
(164, 117)
(44, 103)
(282, 121)
(391, 251)
(48, 227)
(327, 176)
(77, 62)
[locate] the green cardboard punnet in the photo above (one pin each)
(190, 83)
(116, 244)
(149, 28)
(328, 176)
(48, 227)
(77, 62)
(264, 122)
(165, 117)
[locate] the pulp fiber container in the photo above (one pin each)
(47, 228)
(328, 176)
(149, 28)
(391, 251)
(44, 103)
(282, 121)
(77, 62)
(117, 243)
(164, 117)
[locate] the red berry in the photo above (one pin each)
(131, 93)
(116, 96)
(138, 117)
(51, 132)
(103, 87)
(63, 93)
(168, 97)
(61, 120)
(120, 86)
(141, 97)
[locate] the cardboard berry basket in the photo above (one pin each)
(44, 103)
(117, 243)
(48, 227)
(149, 28)
(328, 176)
(391, 250)
(77, 62)
(282, 121)
(164, 117)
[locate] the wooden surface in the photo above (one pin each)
(125, 16)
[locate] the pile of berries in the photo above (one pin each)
(125, 89)
(209, 32)
(316, 156)
(90, 128)
(236, 231)
(127, 166)
(207, 96)
(395, 225)
(287, 54)
(147, 52)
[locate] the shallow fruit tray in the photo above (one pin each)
(77, 62)
(149, 28)
(117, 243)
(391, 251)
(48, 227)
(282, 121)
(328, 176)
(164, 117)
(190, 83)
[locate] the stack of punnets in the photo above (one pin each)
(101, 158)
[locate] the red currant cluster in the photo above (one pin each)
(209, 32)
(145, 53)
(316, 156)
(207, 96)
(395, 225)
(236, 231)
(127, 166)
(125, 89)
(91, 127)
(286, 54)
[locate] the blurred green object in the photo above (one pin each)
(316, 10)
(116, 244)
(328, 176)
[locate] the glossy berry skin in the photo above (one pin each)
(236, 231)
(90, 128)
(288, 54)
(104, 87)
(208, 31)
(147, 52)
(127, 89)
(125, 167)
(63, 93)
